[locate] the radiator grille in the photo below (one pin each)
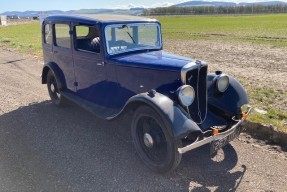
(197, 79)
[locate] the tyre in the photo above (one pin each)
(53, 90)
(153, 141)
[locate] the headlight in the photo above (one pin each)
(222, 83)
(186, 95)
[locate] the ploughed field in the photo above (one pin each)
(251, 48)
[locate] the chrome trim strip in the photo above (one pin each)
(190, 66)
(212, 138)
(184, 70)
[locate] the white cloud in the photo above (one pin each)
(131, 5)
(235, 1)
(165, 4)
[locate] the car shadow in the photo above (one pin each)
(45, 148)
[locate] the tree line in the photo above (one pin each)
(206, 10)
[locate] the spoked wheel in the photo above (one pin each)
(53, 90)
(153, 141)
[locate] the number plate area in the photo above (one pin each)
(219, 143)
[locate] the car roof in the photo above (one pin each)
(99, 18)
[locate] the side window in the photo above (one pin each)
(82, 31)
(87, 39)
(48, 34)
(62, 32)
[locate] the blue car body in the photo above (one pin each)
(108, 85)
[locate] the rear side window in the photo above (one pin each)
(87, 39)
(48, 34)
(62, 32)
(82, 31)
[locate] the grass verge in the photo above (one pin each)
(25, 38)
(269, 101)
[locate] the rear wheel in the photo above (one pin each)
(53, 89)
(153, 141)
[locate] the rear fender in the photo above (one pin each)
(58, 73)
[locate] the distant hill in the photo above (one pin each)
(132, 11)
(206, 3)
(139, 11)
(227, 4)
(264, 3)
(31, 13)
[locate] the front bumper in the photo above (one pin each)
(214, 137)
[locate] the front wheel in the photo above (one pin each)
(153, 141)
(53, 89)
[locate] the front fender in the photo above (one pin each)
(231, 100)
(175, 119)
(58, 73)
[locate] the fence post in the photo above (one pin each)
(3, 20)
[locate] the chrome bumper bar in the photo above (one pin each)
(214, 137)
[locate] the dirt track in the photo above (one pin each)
(43, 148)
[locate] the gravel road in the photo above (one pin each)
(44, 148)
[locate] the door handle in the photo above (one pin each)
(101, 64)
(53, 52)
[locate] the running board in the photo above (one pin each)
(97, 110)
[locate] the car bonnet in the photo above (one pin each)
(154, 59)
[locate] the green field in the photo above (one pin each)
(25, 38)
(259, 29)
(270, 29)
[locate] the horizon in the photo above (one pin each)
(65, 5)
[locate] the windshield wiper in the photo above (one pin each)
(126, 26)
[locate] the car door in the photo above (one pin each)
(62, 52)
(90, 70)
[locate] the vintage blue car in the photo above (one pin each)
(110, 65)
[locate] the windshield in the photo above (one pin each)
(129, 37)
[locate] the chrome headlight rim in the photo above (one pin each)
(183, 101)
(221, 78)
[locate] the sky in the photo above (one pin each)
(65, 5)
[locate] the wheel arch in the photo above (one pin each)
(58, 73)
(231, 100)
(174, 118)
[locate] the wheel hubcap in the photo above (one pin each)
(148, 141)
(53, 88)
